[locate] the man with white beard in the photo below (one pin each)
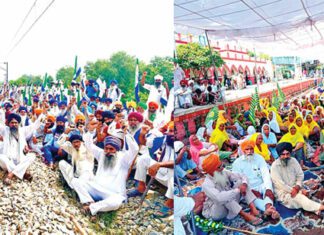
(15, 158)
(135, 120)
(114, 92)
(287, 176)
(82, 162)
(224, 190)
(256, 169)
(107, 190)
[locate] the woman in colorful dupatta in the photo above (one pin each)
(301, 127)
(270, 139)
(321, 157)
(291, 120)
(261, 148)
(200, 149)
(220, 137)
(297, 141)
(313, 127)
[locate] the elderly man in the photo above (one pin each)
(107, 190)
(114, 93)
(162, 170)
(15, 158)
(24, 118)
(287, 177)
(256, 169)
(135, 120)
(184, 95)
(223, 190)
(82, 162)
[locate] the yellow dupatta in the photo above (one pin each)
(303, 129)
(265, 153)
(311, 125)
(218, 137)
(293, 139)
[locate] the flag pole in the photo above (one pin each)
(214, 66)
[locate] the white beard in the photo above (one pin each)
(23, 120)
(250, 158)
(221, 179)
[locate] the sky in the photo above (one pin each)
(89, 29)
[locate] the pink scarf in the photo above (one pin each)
(195, 149)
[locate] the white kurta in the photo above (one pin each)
(83, 160)
(108, 187)
(13, 158)
(156, 93)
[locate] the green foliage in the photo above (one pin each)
(120, 66)
(275, 100)
(265, 56)
(65, 74)
(282, 96)
(197, 57)
(255, 104)
(251, 53)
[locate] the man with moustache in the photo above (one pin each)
(287, 177)
(255, 168)
(51, 150)
(107, 190)
(158, 92)
(135, 120)
(82, 162)
(224, 190)
(24, 118)
(15, 158)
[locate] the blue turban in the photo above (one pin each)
(114, 81)
(52, 101)
(113, 141)
(14, 116)
(35, 99)
(22, 108)
(75, 137)
(109, 100)
(60, 119)
(60, 104)
(93, 104)
(108, 114)
(284, 146)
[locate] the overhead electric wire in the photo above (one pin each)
(28, 30)
(24, 20)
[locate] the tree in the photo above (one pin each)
(198, 58)
(65, 74)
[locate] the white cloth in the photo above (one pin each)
(156, 93)
(164, 175)
(182, 206)
(108, 187)
(17, 168)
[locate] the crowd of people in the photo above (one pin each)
(257, 164)
(97, 143)
(198, 91)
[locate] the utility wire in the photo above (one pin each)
(24, 20)
(23, 36)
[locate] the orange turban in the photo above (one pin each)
(171, 125)
(153, 104)
(51, 117)
(211, 163)
(247, 143)
(79, 117)
(38, 111)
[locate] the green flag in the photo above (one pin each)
(212, 115)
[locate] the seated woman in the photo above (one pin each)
(240, 124)
(220, 137)
(261, 148)
(313, 127)
(289, 121)
(270, 139)
(297, 141)
(200, 149)
(301, 127)
(274, 125)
